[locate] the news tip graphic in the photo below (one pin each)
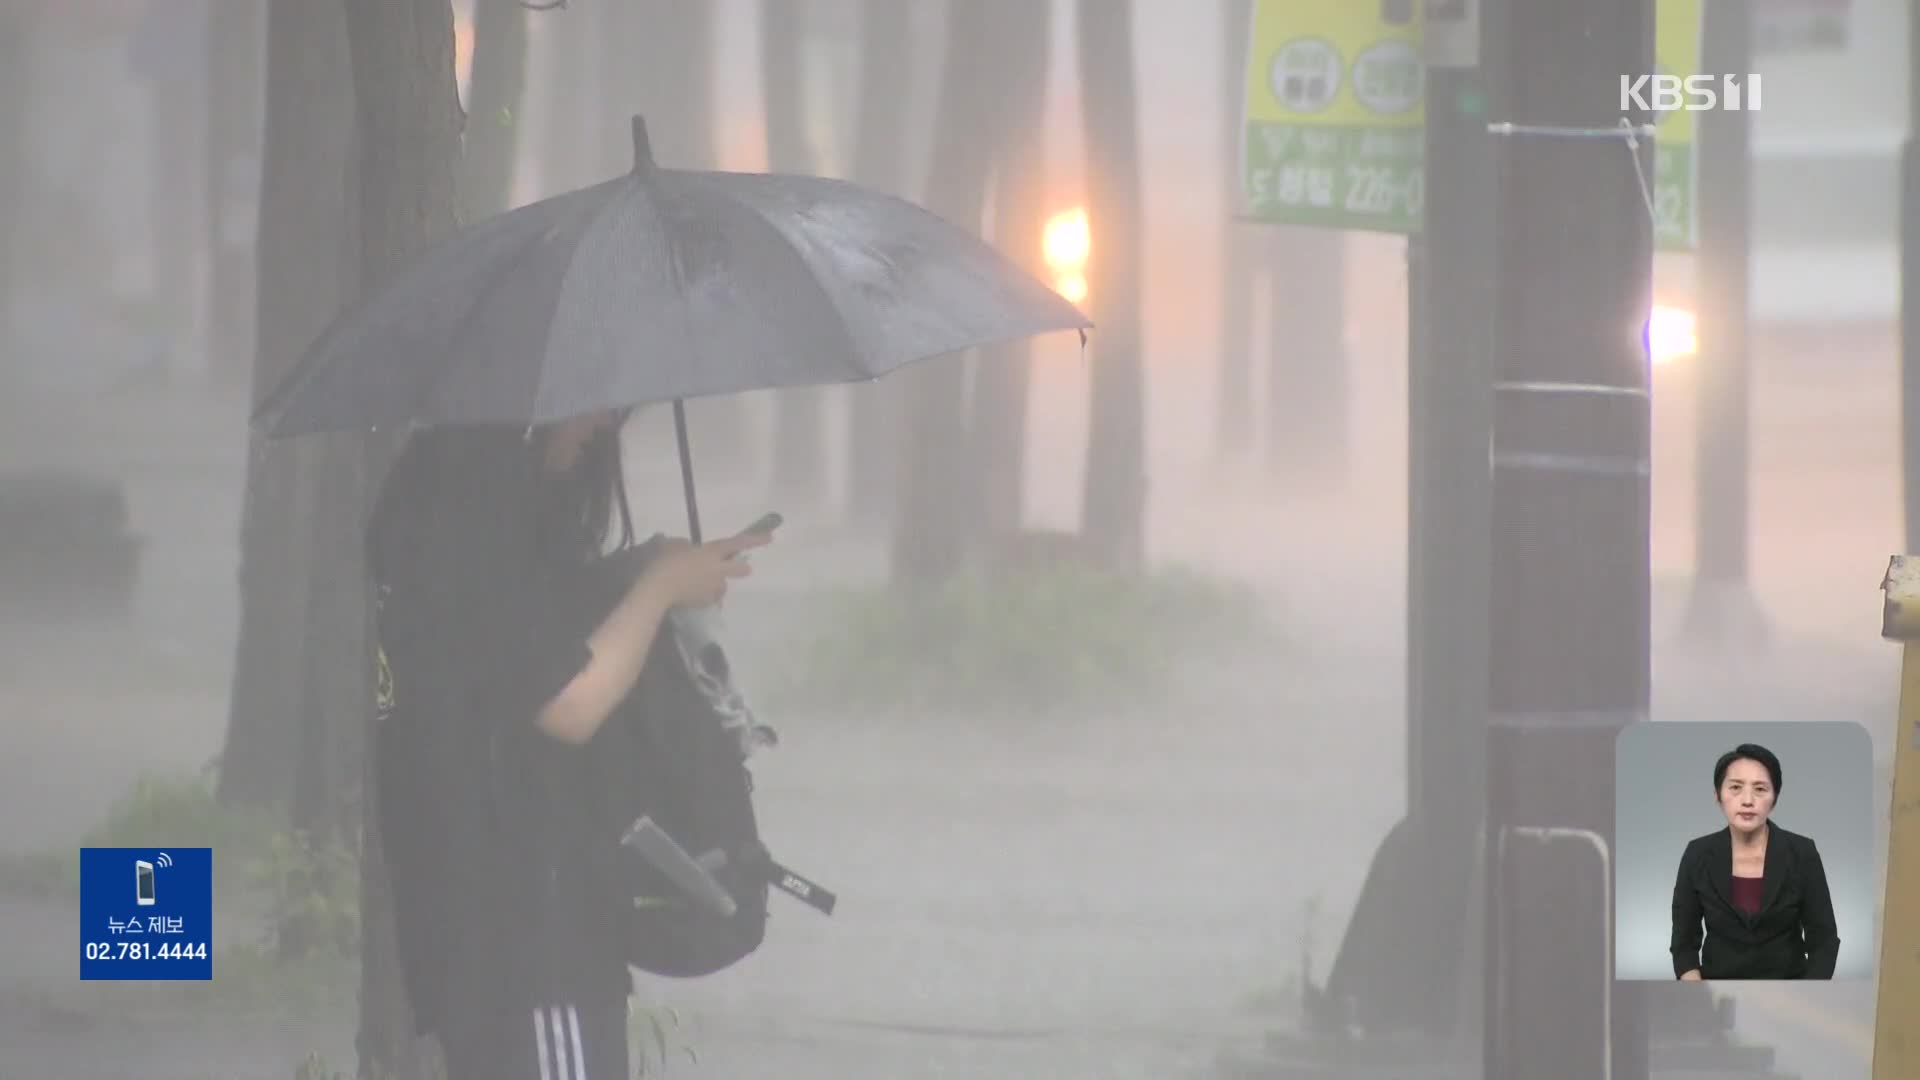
(146, 914)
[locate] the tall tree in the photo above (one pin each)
(15, 101)
(491, 140)
(236, 44)
(1115, 500)
(1022, 33)
(307, 265)
(168, 50)
(656, 59)
(881, 128)
(408, 114)
(1233, 426)
(799, 431)
(567, 115)
(936, 513)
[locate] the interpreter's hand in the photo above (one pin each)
(685, 574)
(1692, 976)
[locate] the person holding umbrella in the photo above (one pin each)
(492, 699)
(511, 350)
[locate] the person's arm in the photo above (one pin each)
(1817, 923)
(618, 648)
(1685, 943)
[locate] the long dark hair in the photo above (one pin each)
(451, 481)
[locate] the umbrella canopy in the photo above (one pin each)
(661, 285)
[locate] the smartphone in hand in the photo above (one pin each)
(764, 524)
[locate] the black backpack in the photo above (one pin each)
(673, 758)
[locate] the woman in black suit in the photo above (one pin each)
(1759, 890)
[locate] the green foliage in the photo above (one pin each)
(158, 811)
(180, 811)
(1040, 638)
(312, 889)
(316, 1068)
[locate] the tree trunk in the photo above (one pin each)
(16, 44)
(937, 508)
(236, 41)
(409, 145)
(1233, 426)
(886, 80)
(561, 155)
(178, 99)
(1116, 482)
(491, 140)
(799, 421)
(656, 60)
(1022, 32)
(305, 276)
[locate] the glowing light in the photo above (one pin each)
(1071, 286)
(1672, 334)
(1067, 241)
(463, 55)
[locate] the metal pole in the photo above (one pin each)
(1568, 660)
(1722, 605)
(1449, 494)
(681, 439)
(1405, 955)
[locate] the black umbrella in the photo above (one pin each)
(661, 285)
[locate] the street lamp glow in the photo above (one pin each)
(1073, 286)
(1672, 334)
(1067, 241)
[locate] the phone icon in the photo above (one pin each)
(143, 883)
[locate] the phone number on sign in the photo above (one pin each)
(141, 950)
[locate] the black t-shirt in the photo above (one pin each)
(488, 824)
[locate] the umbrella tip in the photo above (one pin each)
(642, 147)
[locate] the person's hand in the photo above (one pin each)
(685, 574)
(1692, 976)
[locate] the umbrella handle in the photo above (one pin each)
(686, 468)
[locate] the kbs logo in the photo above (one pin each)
(1695, 93)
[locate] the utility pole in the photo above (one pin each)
(1723, 609)
(1449, 498)
(1568, 660)
(1405, 955)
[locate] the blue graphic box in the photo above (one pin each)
(146, 913)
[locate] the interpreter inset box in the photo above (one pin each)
(1744, 851)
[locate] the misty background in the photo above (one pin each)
(1103, 823)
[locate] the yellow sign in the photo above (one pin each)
(1333, 63)
(1335, 117)
(1335, 114)
(1676, 51)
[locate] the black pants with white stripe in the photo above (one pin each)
(580, 1041)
